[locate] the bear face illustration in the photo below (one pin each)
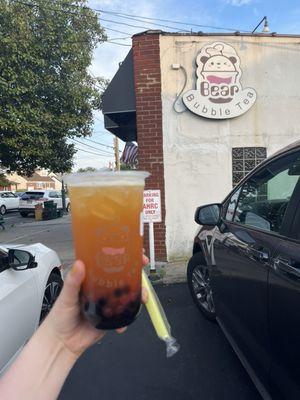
(113, 245)
(218, 65)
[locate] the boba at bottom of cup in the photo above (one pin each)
(103, 316)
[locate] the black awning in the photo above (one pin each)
(119, 102)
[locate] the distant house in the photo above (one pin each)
(34, 182)
(57, 178)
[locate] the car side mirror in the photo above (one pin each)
(19, 260)
(208, 215)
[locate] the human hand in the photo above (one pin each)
(65, 320)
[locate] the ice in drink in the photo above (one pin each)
(107, 233)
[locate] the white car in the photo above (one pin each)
(30, 282)
(8, 201)
(30, 199)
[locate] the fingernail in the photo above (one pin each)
(74, 269)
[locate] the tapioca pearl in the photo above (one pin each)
(122, 291)
(107, 312)
(127, 313)
(135, 296)
(124, 299)
(120, 309)
(126, 289)
(102, 302)
(133, 305)
(118, 292)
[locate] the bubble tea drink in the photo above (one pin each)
(107, 232)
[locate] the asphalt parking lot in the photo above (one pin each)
(13, 218)
(133, 365)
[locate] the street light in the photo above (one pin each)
(266, 26)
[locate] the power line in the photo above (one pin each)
(124, 23)
(120, 38)
(129, 16)
(101, 144)
(92, 147)
(101, 133)
(140, 20)
(115, 30)
(96, 154)
(119, 44)
(123, 15)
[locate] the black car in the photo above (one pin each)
(245, 272)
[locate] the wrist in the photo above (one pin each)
(57, 344)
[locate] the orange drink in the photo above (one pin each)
(108, 235)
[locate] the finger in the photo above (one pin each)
(70, 292)
(145, 260)
(144, 295)
(121, 330)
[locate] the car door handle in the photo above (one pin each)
(259, 255)
(287, 266)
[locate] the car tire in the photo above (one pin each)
(199, 284)
(68, 207)
(23, 214)
(2, 210)
(52, 291)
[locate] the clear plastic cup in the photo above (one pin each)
(108, 237)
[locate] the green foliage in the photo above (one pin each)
(3, 180)
(126, 166)
(46, 92)
(87, 169)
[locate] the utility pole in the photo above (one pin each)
(117, 155)
(63, 196)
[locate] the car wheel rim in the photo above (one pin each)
(51, 294)
(202, 288)
(2, 210)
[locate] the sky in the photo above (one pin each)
(212, 15)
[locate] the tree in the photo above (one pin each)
(4, 182)
(46, 93)
(87, 169)
(126, 166)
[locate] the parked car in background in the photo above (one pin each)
(30, 199)
(8, 201)
(245, 272)
(30, 282)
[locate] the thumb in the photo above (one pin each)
(70, 293)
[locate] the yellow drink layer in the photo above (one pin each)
(158, 317)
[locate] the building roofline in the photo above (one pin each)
(233, 34)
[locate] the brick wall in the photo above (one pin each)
(147, 77)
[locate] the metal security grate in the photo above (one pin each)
(244, 159)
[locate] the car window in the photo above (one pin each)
(231, 205)
(265, 196)
(10, 194)
(32, 195)
(4, 195)
(53, 194)
(58, 194)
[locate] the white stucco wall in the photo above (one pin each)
(197, 151)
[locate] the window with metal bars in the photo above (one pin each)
(244, 159)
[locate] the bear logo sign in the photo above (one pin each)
(219, 93)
